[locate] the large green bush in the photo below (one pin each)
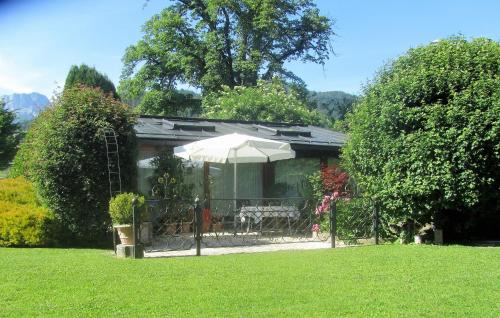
(23, 221)
(64, 154)
(425, 138)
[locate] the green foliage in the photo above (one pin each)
(425, 137)
(8, 138)
(335, 104)
(64, 154)
(268, 101)
(355, 219)
(121, 207)
(209, 44)
(169, 103)
(168, 185)
(168, 179)
(89, 76)
(23, 221)
(18, 190)
(315, 182)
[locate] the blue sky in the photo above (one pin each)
(40, 40)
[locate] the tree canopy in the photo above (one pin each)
(89, 76)
(209, 44)
(335, 104)
(165, 103)
(64, 155)
(425, 137)
(8, 139)
(268, 101)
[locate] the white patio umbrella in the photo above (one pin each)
(148, 163)
(235, 148)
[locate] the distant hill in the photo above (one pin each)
(333, 103)
(26, 106)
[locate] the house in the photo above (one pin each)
(313, 146)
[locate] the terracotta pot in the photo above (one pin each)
(126, 234)
(217, 227)
(186, 227)
(171, 229)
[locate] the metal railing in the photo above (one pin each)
(252, 221)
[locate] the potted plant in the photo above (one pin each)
(217, 224)
(187, 218)
(121, 209)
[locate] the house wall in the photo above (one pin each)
(285, 178)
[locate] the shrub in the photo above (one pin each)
(64, 154)
(424, 140)
(327, 185)
(121, 207)
(19, 191)
(23, 225)
(23, 222)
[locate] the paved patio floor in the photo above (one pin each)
(205, 251)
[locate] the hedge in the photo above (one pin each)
(23, 221)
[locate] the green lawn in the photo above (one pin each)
(379, 281)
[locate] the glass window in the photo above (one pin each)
(291, 174)
(249, 180)
(193, 174)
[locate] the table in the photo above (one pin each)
(257, 213)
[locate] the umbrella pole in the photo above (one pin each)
(235, 190)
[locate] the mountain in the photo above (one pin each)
(333, 103)
(26, 106)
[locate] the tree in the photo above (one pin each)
(268, 101)
(89, 76)
(8, 137)
(335, 104)
(209, 44)
(425, 138)
(169, 103)
(64, 154)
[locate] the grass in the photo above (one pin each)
(378, 281)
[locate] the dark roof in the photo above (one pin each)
(180, 130)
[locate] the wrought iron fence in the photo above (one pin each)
(254, 221)
(357, 221)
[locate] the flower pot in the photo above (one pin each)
(125, 233)
(186, 227)
(217, 227)
(171, 229)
